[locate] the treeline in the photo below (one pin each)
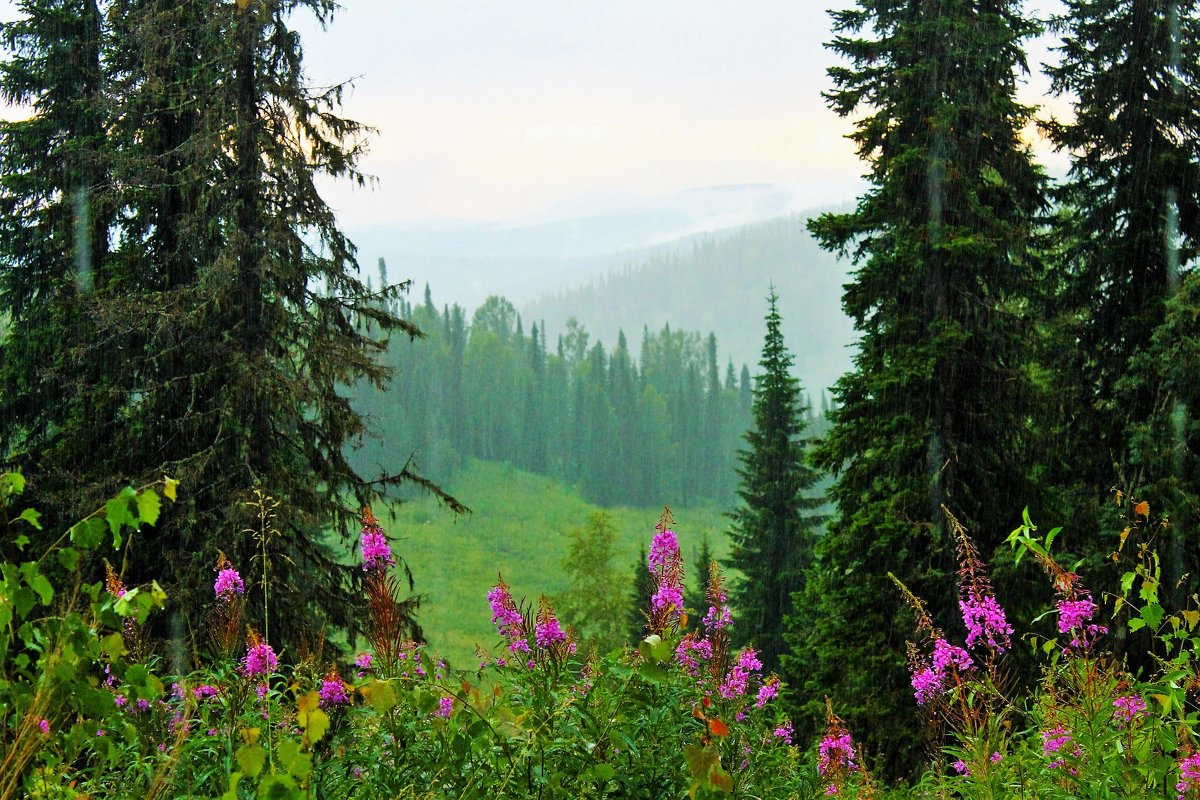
(659, 426)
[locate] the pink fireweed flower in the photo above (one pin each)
(363, 661)
(505, 615)
(376, 552)
(946, 655)
(260, 657)
(835, 754)
(666, 565)
(1127, 708)
(767, 692)
(986, 621)
(1054, 739)
(549, 633)
(784, 732)
(739, 675)
(228, 585)
(1189, 775)
(961, 767)
(333, 690)
(204, 691)
(927, 685)
(688, 649)
(44, 727)
(1074, 617)
(996, 757)
(445, 707)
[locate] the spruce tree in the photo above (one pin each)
(1127, 236)
(232, 294)
(771, 533)
(937, 406)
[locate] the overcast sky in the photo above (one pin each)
(552, 108)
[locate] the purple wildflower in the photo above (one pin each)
(445, 707)
(735, 682)
(996, 757)
(1054, 739)
(946, 655)
(768, 692)
(204, 691)
(376, 552)
(333, 691)
(784, 732)
(928, 684)
(260, 658)
(835, 753)
(689, 647)
(548, 632)
(985, 620)
(1126, 708)
(961, 767)
(44, 727)
(1189, 775)
(229, 583)
(1074, 616)
(666, 564)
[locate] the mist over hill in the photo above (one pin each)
(719, 282)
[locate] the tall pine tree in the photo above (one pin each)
(935, 410)
(771, 533)
(1128, 235)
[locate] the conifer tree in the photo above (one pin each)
(936, 408)
(771, 533)
(232, 294)
(1128, 235)
(639, 597)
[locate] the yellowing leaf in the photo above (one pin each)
(1124, 536)
(318, 723)
(169, 485)
(1142, 508)
(1192, 618)
(718, 728)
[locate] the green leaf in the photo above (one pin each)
(113, 645)
(40, 584)
(1153, 615)
(1136, 624)
(605, 772)
(11, 483)
(251, 758)
(88, 534)
(232, 794)
(118, 514)
(647, 646)
(32, 517)
(380, 696)
(68, 557)
(148, 506)
(278, 787)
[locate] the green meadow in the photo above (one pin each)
(518, 527)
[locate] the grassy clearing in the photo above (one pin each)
(519, 528)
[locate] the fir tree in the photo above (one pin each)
(1128, 234)
(639, 597)
(771, 532)
(936, 409)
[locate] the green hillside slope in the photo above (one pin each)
(519, 527)
(720, 284)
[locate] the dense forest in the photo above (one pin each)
(659, 427)
(183, 316)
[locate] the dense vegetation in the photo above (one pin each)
(178, 301)
(663, 427)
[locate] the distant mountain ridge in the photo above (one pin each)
(719, 283)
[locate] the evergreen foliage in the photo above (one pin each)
(772, 536)
(938, 405)
(1127, 236)
(226, 315)
(624, 430)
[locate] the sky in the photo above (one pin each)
(551, 109)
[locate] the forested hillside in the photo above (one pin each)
(717, 283)
(657, 424)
